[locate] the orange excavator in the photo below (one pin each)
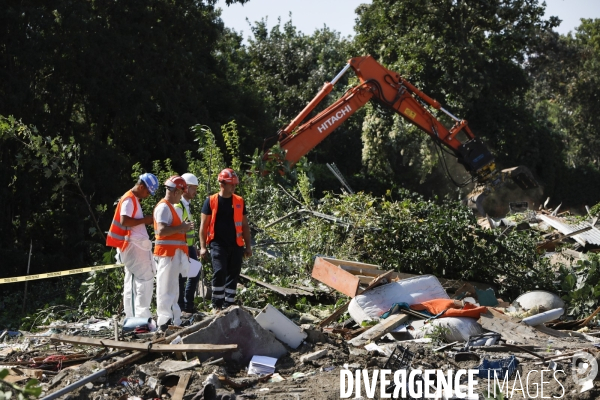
(390, 89)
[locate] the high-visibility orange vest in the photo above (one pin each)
(167, 245)
(238, 217)
(118, 235)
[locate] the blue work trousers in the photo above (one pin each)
(226, 266)
(187, 286)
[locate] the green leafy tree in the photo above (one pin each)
(563, 70)
(121, 81)
(469, 56)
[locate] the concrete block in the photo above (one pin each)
(237, 327)
(313, 356)
(284, 329)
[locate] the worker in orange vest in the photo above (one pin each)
(170, 252)
(224, 227)
(129, 235)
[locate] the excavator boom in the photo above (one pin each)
(390, 89)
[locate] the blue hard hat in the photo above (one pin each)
(150, 181)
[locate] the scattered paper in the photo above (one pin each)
(374, 347)
(97, 326)
(262, 365)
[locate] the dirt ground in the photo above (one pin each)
(319, 379)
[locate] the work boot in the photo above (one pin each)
(163, 328)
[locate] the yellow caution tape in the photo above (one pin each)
(59, 273)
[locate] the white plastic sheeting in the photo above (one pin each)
(371, 304)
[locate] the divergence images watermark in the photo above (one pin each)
(463, 383)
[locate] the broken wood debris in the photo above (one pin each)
(347, 276)
(281, 290)
(136, 355)
(379, 330)
(149, 347)
(508, 327)
(181, 386)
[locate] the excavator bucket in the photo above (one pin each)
(521, 175)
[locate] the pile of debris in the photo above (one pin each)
(556, 228)
(398, 322)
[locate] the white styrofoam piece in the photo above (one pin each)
(282, 327)
(544, 317)
(370, 305)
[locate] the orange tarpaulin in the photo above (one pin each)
(450, 308)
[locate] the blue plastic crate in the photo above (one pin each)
(504, 367)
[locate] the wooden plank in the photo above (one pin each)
(336, 314)
(356, 264)
(278, 289)
(385, 277)
(335, 277)
(364, 280)
(508, 327)
(379, 330)
(357, 268)
(520, 348)
(552, 332)
(143, 347)
(375, 282)
(31, 373)
(361, 271)
(15, 378)
(181, 386)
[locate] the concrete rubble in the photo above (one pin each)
(238, 327)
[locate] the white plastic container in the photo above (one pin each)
(541, 318)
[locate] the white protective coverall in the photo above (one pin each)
(139, 278)
(167, 274)
(140, 270)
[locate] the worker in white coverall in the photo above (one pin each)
(129, 235)
(170, 252)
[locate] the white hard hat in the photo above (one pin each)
(190, 179)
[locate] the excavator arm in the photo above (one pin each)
(390, 89)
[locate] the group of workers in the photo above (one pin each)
(224, 229)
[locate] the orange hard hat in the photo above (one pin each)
(176, 182)
(228, 176)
